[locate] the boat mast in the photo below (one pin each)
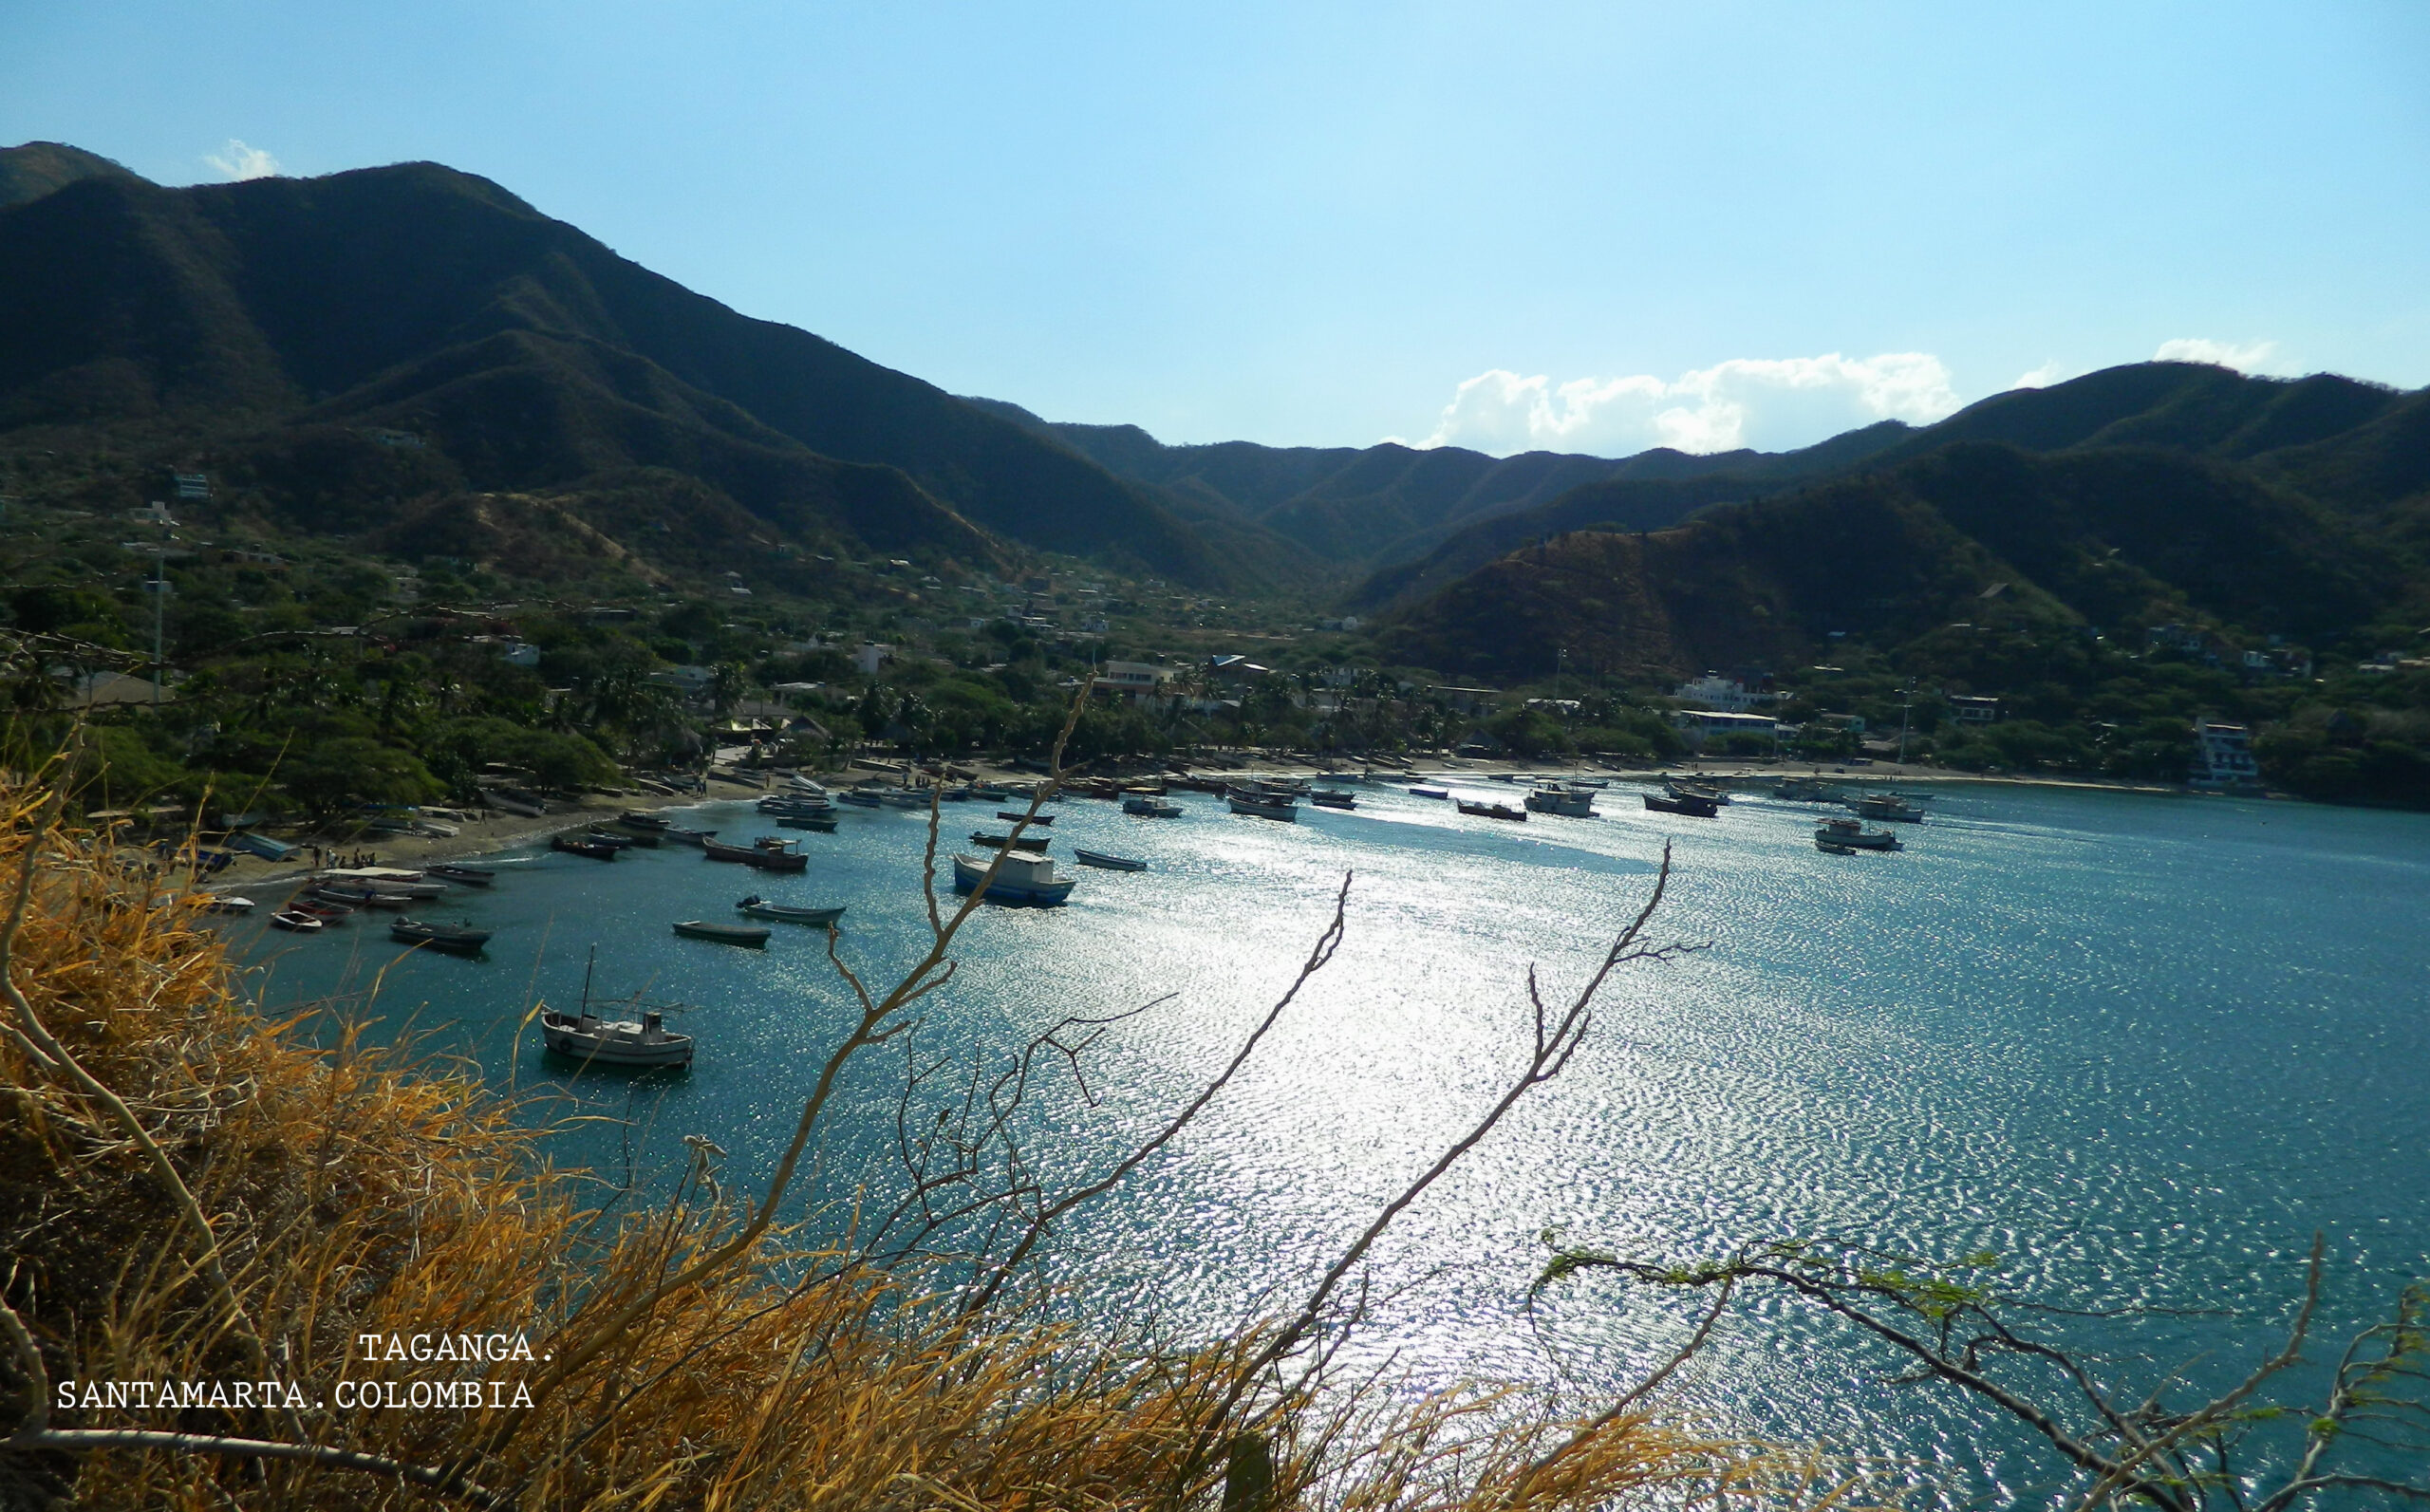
(586, 969)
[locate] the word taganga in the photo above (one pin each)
(427, 1347)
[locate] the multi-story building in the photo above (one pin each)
(2223, 756)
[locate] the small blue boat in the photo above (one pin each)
(1021, 878)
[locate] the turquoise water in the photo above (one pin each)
(2142, 1047)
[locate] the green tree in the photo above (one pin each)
(341, 774)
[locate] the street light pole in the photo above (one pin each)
(1907, 699)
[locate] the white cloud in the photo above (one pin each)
(2042, 377)
(241, 162)
(2245, 358)
(1769, 403)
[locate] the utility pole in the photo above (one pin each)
(1906, 701)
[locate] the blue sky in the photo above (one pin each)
(1593, 227)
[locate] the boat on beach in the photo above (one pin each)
(748, 936)
(460, 939)
(1020, 879)
(759, 908)
(359, 897)
(1111, 862)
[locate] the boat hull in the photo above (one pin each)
(1693, 807)
(743, 935)
(1098, 858)
(968, 874)
(1287, 813)
(815, 918)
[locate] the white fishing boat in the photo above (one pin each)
(298, 921)
(1146, 808)
(1568, 802)
(1896, 807)
(593, 1040)
(1021, 878)
(1853, 837)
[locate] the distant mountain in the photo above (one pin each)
(1382, 505)
(35, 169)
(2136, 495)
(523, 353)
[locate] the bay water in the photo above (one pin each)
(2140, 1047)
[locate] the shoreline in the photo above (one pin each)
(504, 832)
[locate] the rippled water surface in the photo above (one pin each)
(2141, 1046)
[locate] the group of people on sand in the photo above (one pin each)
(324, 858)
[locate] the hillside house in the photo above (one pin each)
(2223, 756)
(1971, 709)
(1135, 680)
(1723, 694)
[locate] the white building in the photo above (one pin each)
(2223, 756)
(1700, 725)
(1134, 680)
(870, 657)
(1713, 691)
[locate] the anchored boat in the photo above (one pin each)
(1098, 858)
(462, 940)
(1264, 805)
(1005, 842)
(1849, 834)
(593, 1040)
(1696, 808)
(1018, 879)
(1491, 810)
(1568, 802)
(723, 934)
(759, 908)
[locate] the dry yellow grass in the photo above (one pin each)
(324, 1193)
